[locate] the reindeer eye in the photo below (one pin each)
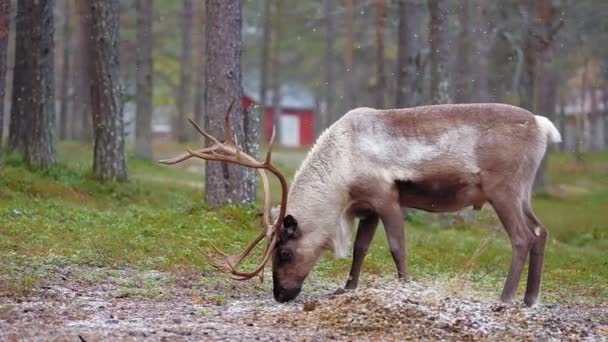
(284, 255)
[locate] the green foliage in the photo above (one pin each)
(156, 221)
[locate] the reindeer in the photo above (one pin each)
(371, 163)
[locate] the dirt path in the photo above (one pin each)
(91, 304)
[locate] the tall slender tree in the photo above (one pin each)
(485, 33)
(440, 85)
(463, 73)
(39, 98)
(21, 76)
(328, 114)
(542, 23)
(349, 53)
(81, 101)
(4, 30)
(265, 43)
(199, 82)
(143, 115)
(275, 59)
(106, 92)
(64, 117)
(224, 183)
(183, 95)
(409, 65)
(380, 73)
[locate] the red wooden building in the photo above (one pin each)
(297, 115)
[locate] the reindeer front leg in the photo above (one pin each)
(365, 234)
(392, 219)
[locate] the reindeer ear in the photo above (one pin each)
(290, 228)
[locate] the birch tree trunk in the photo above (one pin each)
(224, 183)
(144, 111)
(106, 92)
(39, 101)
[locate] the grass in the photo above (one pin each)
(157, 221)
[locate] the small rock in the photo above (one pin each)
(310, 306)
(443, 325)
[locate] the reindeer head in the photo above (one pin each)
(291, 259)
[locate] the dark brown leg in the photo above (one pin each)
(514, 222)
(392, 218)
(365, 233)
(537, 253)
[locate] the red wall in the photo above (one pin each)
(307, 121)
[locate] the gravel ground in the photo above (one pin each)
(88, 304)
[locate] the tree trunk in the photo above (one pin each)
(485, 33)
(380, 74)
(605, 113)
(462, 76)
(183, 95)
(276, 69)
(4, 33)
(224, 183)
(22, 74)
(199, 83)
(264, 67)
(266, 42)
(540, 19)
(144, 109)
(106, 93)
(328, 114)
(527, 89)
(598, 139)
(251, 127)
(39, 101)
(81, 111)
(64, 117)
(409, 85)
(439, 52)
(349, 53)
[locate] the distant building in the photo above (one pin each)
(298, 115)
(297, 112)
(584, 114)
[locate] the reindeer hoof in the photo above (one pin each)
(341, 291)
(530, 301)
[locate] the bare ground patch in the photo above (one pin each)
(94, 304)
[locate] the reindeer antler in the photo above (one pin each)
(229, 152)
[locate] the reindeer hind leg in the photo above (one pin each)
(537, 253)
(511, 215)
